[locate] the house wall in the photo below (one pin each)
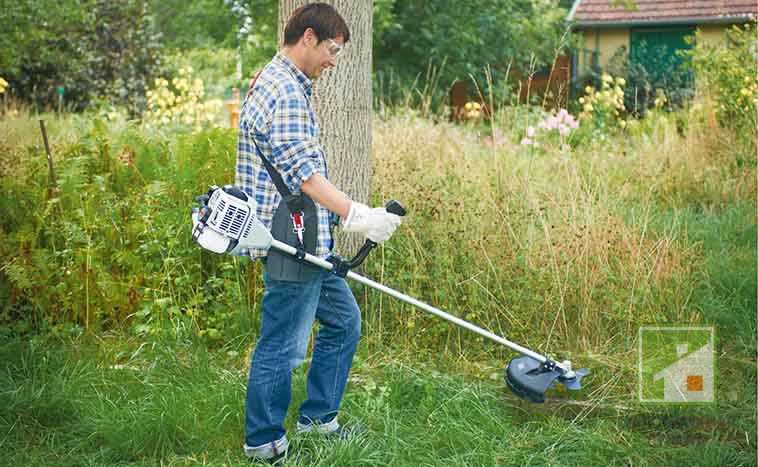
(714, 34)
(609, 42)
(604, 42)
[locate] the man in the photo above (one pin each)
(279, 153)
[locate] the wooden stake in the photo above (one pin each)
(53, 181)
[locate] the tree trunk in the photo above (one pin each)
(343, 104)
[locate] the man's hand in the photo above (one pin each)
(377, 224)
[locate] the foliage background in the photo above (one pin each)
(124, 343)
(110, 50)
(97, 51)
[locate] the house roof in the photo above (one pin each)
(609, 13)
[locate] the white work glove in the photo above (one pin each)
(376, 223)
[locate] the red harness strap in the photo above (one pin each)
(252, 83)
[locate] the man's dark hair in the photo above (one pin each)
(321, 17)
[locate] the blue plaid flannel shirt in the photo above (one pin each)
(277, 112)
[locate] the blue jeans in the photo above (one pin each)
(289, 310)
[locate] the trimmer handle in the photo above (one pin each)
(392, 207)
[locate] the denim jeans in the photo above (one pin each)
(289, 310)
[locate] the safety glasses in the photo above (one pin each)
(334, 48)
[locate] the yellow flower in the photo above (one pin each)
(581, 100)
(622, 123)
(588, 89)
(620, 81)
(607, 78)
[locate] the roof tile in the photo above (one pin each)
(662, 10)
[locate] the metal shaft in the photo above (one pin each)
(419, 304)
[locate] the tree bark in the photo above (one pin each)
(343, 105)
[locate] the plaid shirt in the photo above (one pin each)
(277, 113)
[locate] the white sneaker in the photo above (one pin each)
(324, 428)
(268, 452)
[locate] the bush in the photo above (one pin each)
(726, 72)
(180, 102)
(458, 41)
(603, 109)
(89, 49)
(113, 249)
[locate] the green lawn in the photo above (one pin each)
(121, 402)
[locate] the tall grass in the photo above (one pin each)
(567, 253)
(126, 403)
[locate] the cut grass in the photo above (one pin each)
(123, 403)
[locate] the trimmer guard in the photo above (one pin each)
(529, 379)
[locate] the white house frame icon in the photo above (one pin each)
(691, 377)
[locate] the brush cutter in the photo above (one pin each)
(226, 223)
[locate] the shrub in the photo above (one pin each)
(113, 249)
(180, 102)
(602, 110)
(89, 48)
(728, 74)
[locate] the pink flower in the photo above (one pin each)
(530, 132)
(526, 142)
(564, 130)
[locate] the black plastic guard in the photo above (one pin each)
(529, 379)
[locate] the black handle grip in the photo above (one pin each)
(392, 207)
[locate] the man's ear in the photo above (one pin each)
(309, 37)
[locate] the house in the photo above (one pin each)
(690, 378)
(647, 33)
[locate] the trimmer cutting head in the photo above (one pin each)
(530, 379)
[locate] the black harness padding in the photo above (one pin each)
(281, 266)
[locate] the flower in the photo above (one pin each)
(530, 132)
(526, 142)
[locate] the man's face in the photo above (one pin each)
(321, 55)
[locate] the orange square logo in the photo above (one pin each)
(694, 383)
